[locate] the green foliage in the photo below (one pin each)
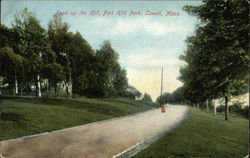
(112, 80)
(202, 135)
(8, 37)
(54, 73)
(132, 92)
(236, 108)
(147, 98)
(176, 97)
(10, 64)
(57, 59)
(217, 55)
(81, 62)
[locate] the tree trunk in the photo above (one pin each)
(28, 88)
(10, 88)
(207, 105)
(38, 86)
(0, 84)
(16, 86)
(0, 88)
(55, 90)
(21, 90)
(214, 108)
(69, 85)
(49, 88)
(21, 82)
(39, 94)
(226, 108)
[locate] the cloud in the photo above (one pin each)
(133, 26)
(150, 58)
(146, 25)
(100, 21)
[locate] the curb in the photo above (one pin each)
(133, 150)
(85, 125)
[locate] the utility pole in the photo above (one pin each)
(161, 84)
(161, 102)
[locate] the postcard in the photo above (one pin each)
(120, 79)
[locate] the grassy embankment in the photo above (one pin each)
(202, 135)
(22, 116)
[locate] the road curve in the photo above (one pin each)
(98, 140)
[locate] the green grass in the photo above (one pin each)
(202, 135)
(21, 116)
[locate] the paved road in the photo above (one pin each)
(100, 140)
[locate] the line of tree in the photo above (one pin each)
(176, 97)
(33, 58)
(146, 97)
(217, 59)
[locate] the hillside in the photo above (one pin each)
(21, 116)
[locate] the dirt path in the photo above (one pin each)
(101, 140)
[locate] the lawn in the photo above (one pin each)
(21, 116)
(202, 135)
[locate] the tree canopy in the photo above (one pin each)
(35, 60)
(147, 98)
(176, 97)
(217, 58)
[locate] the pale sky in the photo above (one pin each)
(145, 43)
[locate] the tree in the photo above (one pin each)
(217, 56)
(120, 81)
(60, 39)
(165, 98)
(7, 43)
(132, 92)
(147, 98)
(176, 96)
(82, 62)
(32, 45)
(33, 57)
(112, 79)
(54, 73)
(10, 62)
